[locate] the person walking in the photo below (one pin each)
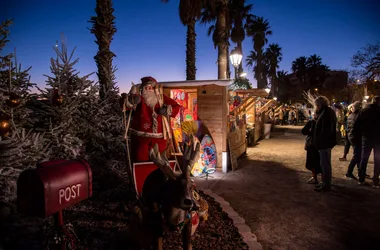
(312, 154)
(281, 116)
(347, 143)
(324, 139)
(295, 117)
(355, 139)
(368, 123)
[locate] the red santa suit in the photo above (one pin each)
(146, 128)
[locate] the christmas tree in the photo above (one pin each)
(64, 109)
(76, 122)
(20, 147)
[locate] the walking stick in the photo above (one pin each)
(166, 129)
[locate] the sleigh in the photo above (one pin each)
(141, 170)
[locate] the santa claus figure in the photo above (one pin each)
(147, 122)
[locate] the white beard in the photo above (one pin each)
(150, 98)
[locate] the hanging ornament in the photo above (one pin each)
(57, 98)
(5, 124)
(14, 100)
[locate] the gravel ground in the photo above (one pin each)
(270, 192)
(104, 221)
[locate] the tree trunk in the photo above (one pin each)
(228, 63)
(262, 83)
(273, 86)
(222, 46)
(104, 28)
(190, 51)
(240, 46)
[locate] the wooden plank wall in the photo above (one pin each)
(238, 144)
(259, 127)
(210, 112)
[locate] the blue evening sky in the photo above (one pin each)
(150, 40)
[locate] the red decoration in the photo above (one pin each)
(57, 99)
(237, 100)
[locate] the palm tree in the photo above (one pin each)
(283, 85)
(259, 29)
(104, 28)
(239, 17)
(273, 56)
(314, 61)
(316, 71)
(189, 12)
(299, 67)
(251, 62)
(216, 12)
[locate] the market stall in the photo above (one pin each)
(205, 103)
(253, 106)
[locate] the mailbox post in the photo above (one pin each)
(52, 187)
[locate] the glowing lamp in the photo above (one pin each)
(236, 57)
(267, 90)
(275, 98)
(243, 74)
(366, 97)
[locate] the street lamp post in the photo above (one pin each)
(236, 57)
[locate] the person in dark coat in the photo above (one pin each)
(312, 154)
(368, 124)
(355, 139)
(324, 139)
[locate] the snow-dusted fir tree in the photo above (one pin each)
(20, 147)
(77, 123)
(63, 110)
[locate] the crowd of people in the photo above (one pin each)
(361, 132)
(287, 116)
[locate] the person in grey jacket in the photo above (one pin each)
(355, 139)
(324, 139)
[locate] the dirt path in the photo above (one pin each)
(284, 212)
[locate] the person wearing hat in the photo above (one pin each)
(146, 126)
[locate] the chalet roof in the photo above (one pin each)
(252, 92)
(196, 83)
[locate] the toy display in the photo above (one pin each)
(209, 152)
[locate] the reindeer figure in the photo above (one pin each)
(168, 195)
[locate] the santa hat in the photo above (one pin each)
(148, 80)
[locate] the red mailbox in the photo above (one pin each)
(53, 186)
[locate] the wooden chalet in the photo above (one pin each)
(211, 102)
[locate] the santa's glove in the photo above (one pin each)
(134, 99)
(163, 110)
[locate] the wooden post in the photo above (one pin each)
(58, 222)
(225, 121)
